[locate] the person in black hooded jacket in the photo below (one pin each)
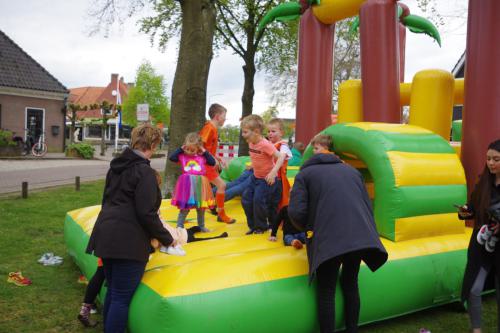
(127, 222)
(330, 203)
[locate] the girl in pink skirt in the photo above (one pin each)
(192, 190)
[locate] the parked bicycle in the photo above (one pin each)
(29, 146)
(39, 149)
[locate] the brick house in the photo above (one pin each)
(32, 101)
(89, 121)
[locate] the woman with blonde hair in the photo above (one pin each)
(126, 224)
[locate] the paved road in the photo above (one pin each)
(49, 172)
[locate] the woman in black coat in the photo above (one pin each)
(482, 260)
(329, 201)
(126, 224)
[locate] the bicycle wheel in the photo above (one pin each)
(39, 149)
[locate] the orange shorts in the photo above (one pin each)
(212, 174)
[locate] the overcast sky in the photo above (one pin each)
(55, 33)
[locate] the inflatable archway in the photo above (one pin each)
(413, 175)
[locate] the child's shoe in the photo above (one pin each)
(483, 234)
(203, 229)
(18, 279)
(222, 217)
(297, 244)
(249, 232)
(84, 316)
(173, 250)
(491, 243)
(93, 308)
(213, 211)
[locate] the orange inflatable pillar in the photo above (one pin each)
(380, 61)
(314, 77)
(481, 119)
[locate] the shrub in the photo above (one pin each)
(82, 149)
(6, 139)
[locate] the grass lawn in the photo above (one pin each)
(33, 226)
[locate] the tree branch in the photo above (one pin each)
(238, 48)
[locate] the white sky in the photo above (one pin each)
(54, 33)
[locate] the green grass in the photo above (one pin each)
(33, 226)
(30, 227)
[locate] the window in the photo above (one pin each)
(94, 131)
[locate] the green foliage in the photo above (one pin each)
(229, 134)
(270, 113)
(6, 139)
(83, 149)
(150, 88)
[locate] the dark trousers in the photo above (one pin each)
(123, 277)
(327, 274)
(94, 286)
(260, 202)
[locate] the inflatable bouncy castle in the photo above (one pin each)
(413, 174)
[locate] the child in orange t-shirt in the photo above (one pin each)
(260, 200)
(209, 136)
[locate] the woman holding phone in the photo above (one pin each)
(483, 255)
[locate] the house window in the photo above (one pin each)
(94, 131)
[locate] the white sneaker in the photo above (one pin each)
(491, 243)
(173, 250)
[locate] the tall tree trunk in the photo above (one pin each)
(247, 97)
(191, 76)
(72, 128)
(103, 133)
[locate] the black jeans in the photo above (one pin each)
(327, 274)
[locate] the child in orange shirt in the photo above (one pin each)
(260, 200)
(209, 136)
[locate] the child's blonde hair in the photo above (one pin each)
(253, 122)
(277, 122)
(145, 136)
(193, 139)
(322, 140)
(215, 109)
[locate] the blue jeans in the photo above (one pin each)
(288, 238)
(237, 186)
(123, 277)
(260, 202)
